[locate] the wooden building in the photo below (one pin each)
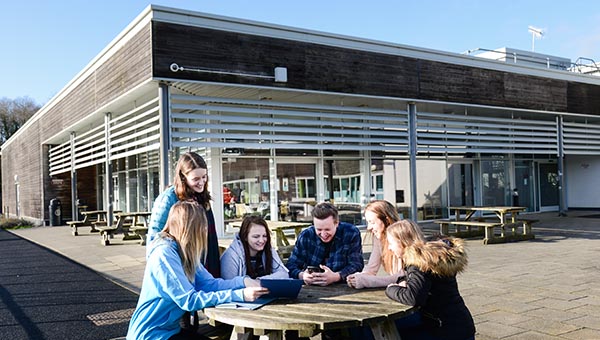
(293, 115)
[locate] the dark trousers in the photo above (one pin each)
(185, 334)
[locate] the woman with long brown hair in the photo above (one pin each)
(190, 182)
(379, 215)
(251, 253)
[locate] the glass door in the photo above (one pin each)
(548, 186)
(296, 189)
(524, 196)
(460, 184)
(495, 185)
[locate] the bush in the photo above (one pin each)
(14, 223)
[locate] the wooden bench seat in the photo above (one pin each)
(469, 232)
(508, 232)
(85, 223)
(141, 231)
(107, 232)
(527, 222)
(285, 252)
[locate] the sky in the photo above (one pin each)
(44, 44)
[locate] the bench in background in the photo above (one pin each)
(85, 223)
(473, 228)
(508, 231)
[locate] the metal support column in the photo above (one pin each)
(412, 150)
(562, 206)
(273, 199)
(74, 212)
(165, 134)
(108, 184)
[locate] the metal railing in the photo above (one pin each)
(581, 65)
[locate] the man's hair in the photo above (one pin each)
(324, 210)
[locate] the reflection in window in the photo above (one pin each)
(305, 188)
(345, 180)
(245, 187)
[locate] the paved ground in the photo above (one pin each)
(547, 288)
(44, 295)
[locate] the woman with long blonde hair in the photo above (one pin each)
(379, 215)
(429, 282)
(175, 281)
(190, 182)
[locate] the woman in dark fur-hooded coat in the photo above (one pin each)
(430, 282)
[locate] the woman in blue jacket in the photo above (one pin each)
(189, 183)
(175, 280)
(251, 253)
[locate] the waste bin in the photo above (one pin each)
(55, 212)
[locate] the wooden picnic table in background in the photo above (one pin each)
(501, 212)
(136, 221)
(91, 218)
(281, 242)
(507, 218)
(317, 309)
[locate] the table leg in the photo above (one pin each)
(384, 331)
(240, 333)
(469, 214)
(280, 239)
(502, 217)
(273, 335)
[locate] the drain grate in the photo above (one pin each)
(110, 318)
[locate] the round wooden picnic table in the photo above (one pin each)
(315, 310)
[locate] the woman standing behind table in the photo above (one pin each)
(251, 253)
(379, 215)
(430, 282)
(190, 183)
(175, 281)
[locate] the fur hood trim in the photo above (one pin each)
(445, 257)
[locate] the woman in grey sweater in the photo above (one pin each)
(251, 253)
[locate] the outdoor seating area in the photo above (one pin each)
(506, 221)
(572, 237)
(133, 225)
(91, 218)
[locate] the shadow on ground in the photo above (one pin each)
(44, 295)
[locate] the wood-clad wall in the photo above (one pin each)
(127, 68)
(325, 68)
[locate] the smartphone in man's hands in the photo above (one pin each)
(314, 269)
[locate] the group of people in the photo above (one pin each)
(184, 272)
